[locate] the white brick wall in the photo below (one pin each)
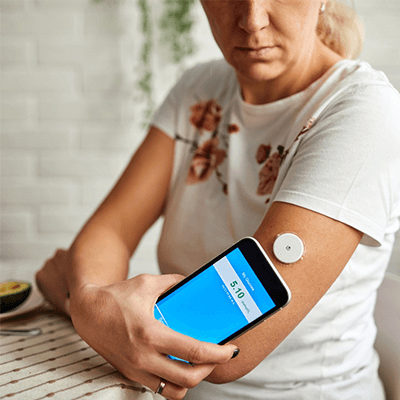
(71, 116)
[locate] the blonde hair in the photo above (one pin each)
(340, 29)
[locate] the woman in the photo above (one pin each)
(283, 135)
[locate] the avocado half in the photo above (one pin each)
(13, 294)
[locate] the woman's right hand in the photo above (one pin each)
(118, 322)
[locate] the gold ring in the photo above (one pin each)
(160, 387)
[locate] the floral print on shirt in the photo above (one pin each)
(209, 155)
(206, 117)
(206, 159)
(270, 170)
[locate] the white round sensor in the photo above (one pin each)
(288, 248)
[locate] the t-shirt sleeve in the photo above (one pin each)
(347, 166)
(166, 118)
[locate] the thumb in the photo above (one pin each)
(164, 282)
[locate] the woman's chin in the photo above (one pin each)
(258, 72)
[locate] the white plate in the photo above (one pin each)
(34, 300)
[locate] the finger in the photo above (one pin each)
(60, 253)
(167, 281)
(184, 347)
(180, 373)
(157, 284)
(171, 391)
(178, 279)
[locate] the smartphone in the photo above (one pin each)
(226, 297)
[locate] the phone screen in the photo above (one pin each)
(222, 299)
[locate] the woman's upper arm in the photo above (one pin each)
(329, 244)
(139, 196)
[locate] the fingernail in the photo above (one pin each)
(235, 353)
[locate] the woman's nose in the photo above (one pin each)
(254, 15)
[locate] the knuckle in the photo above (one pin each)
(143, 279)
(179, 394)
(190, 381)
(39, 279)
(137, 360)
(145, 334)
(39, 275)
(59, 253)
(47, 264)
(196, 354)
(198, 376)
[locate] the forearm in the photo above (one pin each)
(98, 256)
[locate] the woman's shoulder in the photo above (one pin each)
(349, 75)
(354, 87)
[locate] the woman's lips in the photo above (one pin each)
(259, 52)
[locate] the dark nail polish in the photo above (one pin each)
(235, 353)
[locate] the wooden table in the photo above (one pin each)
(58, 364)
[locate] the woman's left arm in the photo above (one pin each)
(346, 167)
(329, 244)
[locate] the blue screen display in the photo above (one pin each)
(217, 302)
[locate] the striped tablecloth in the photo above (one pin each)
(58, 364)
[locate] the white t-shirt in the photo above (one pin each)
(333, 148)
